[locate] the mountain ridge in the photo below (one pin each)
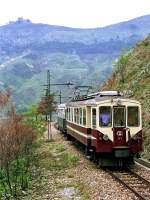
(84, 56)
(28, 21)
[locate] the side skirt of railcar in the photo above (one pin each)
(112, 158)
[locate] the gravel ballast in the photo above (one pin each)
(82, 181)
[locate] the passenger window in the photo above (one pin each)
(105, 116)
(80, 116)
(94, 118)
(69, 114)
(84, 116)
(119, 117)
(77, 115)
(72, 114)
(133, 116)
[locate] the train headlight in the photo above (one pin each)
(119, 133)
(118, 101)
(105, 137)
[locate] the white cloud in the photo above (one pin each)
(74, 13)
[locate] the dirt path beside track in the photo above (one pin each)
(65, 173)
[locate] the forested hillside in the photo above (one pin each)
(83, 56)
(132, 75)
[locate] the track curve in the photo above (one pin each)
(134, 182)
(142, 162)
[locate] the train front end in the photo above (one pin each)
(118, 134)
(127, 129)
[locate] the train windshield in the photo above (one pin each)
(105, 117)
(133, 116)
(119, 117)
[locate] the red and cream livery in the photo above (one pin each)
(109, 125)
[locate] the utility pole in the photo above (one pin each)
(48, 92)
(48, 82)
(60, 97)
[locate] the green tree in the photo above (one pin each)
(121, 66)
(47, 105)
(34, 119)
(33, 112)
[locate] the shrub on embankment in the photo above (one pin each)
(17, 141)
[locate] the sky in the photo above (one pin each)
(73, 13)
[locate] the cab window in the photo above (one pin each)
(119, 117)
(133, 116)
(105, 116)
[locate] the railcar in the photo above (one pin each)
(61, 119)
(108, 125)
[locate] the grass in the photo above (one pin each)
(69, 159)
(54, 156)
(55, 172)
(62, 161)
(60, 148)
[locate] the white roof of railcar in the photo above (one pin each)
(62, 106)
(101, 97)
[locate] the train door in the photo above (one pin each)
(93, 119)
(119, 126)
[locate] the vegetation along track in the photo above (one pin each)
(135, 183)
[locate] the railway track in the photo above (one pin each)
(142, 162)
(135, 183)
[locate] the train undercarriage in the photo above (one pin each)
(115, 159)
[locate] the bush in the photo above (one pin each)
(16, 140)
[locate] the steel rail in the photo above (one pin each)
(142, 162)
(123, 182)
(139, 177)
